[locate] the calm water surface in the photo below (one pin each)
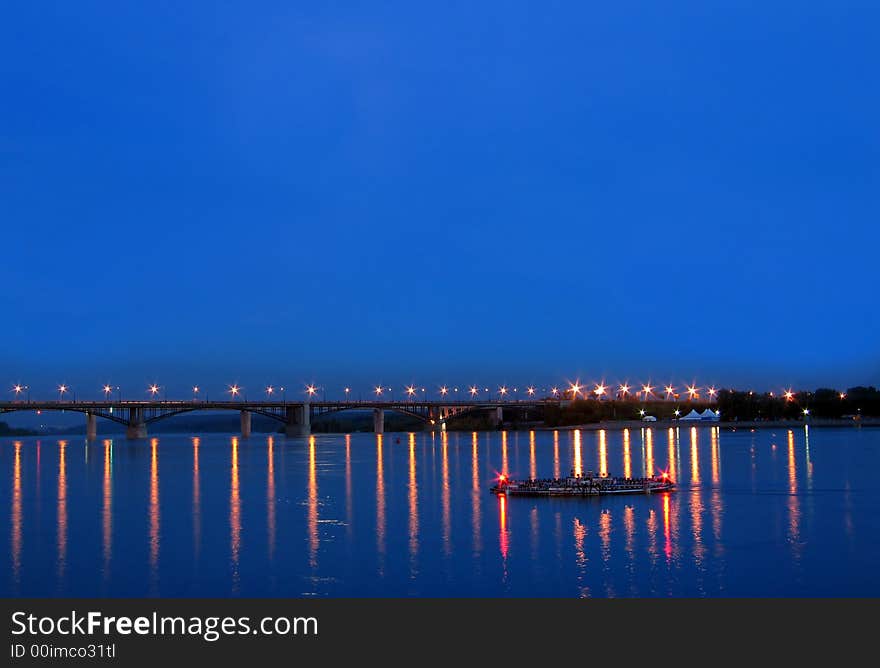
(766, 513)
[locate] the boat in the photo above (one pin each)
(582, 484)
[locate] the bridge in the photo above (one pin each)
(296, 417)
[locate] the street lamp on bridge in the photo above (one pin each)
(19, 388)
(62, 389)
(311, 390)
(234, 390)
(410, 391)
(108, 390)
(473, 391)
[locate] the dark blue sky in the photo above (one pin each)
(450, 192)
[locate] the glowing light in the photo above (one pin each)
(154, 390)
(195, 389)
(575, 389)
(670, 390)
(270, 390)
(712, 392)
(473, 390)
(531, 391)
(502, 390)
(692, 391)
(624, 389)
(555, 391)
(642, 412)
(677, 412)
(311, 390)
(806, 411)
(62, 389)
(347, 390)
(18, 389)
(600, 390)
(647, 389)
(789, 395)
(444, 391)
(410, 390)
(843, 395)
(378, 390)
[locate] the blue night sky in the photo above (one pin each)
(451, 192)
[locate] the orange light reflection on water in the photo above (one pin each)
(556, 468)
(107, 511)
(476, 492)
(16, 515)
(154, 512)
(380, 503)
(196, 499)
(234, 515)
(270, 496)
(314, 540)
(413, 506)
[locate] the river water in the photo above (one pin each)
(756, 513)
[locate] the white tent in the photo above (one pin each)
(693, 415)
(709, 414)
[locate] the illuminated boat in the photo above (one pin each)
(586, 484)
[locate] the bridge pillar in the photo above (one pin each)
(379, 420)
(499, 416)
(298, 423)
(245, 424)
(137, 427)
(91, 426)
